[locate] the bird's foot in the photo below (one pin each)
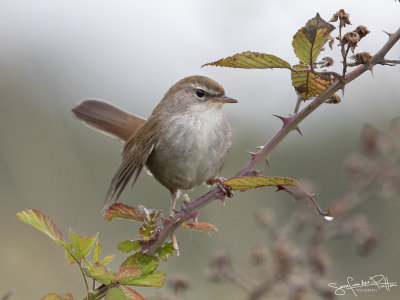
(225, 189)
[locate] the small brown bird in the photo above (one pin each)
(183, 144)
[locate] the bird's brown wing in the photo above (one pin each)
(108, 119)
(134, 156)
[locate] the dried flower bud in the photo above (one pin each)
(334, 99)
(325, 62)
(264, 218)
(362, 58)
(370, 137)
(365, 235)
(319, 261)
(351, 38)
(179, 284)
(354, 165)
(343, 18)
(258, 255)
(362, 31)
(221, 258)
(297, 291)
(283, 257)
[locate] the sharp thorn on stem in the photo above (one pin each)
(389, 34)
(285, 120)
(298, 130)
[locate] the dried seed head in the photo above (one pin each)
(362, 58)
(283, 257)
(297, 291)
(258, 255)
(362, 31)
(334, 99)
(319, 261)
(370, 138)
(325, 62)
(365, 235)
(351, 38)
(179, 284)
(264, 218)
(342, 16)
(221, 258)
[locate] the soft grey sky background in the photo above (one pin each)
(55, 53)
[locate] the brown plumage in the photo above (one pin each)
(183, 143)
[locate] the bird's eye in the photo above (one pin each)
(200, 93)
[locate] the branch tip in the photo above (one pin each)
(389, 34)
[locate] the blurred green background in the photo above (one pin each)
(53, 54)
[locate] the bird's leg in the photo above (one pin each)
(174, 196)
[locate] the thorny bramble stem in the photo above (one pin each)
(263, 154)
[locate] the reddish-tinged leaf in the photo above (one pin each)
(251, 60)
(40, 221)
(122, 292)
(247, 183)
(54, 296)
(308, 84)
(200, 226)
(124, 274)
(122, 211)
(101, 274)
(309, 40)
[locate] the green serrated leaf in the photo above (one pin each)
(148, 232)
(308, 84)
(128, 246)
(147, 263)
(122, 211)
(109, 258)
(101, 274)
(54, 296)
(165, 250)
(155, 279)
(122, 292)
(81, 245)
(247, 183)
(97, 251)
(125, 274)
(251, 60)
(309, 40)
(40, 221)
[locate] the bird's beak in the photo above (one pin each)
(223, 99)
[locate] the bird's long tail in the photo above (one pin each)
(108, 119)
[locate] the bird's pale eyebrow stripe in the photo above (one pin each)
(208, 91)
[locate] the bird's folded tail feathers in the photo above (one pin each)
(134, 157)
(108, 119)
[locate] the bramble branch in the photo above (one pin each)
(290, 124)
